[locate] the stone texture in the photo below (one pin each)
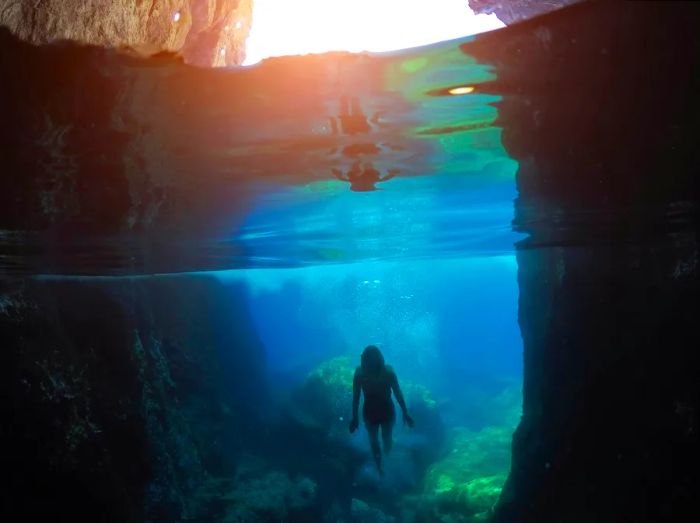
(118, 403)
(207, 32)
(511, 11)
(600, 109)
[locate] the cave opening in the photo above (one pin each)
(281, 28)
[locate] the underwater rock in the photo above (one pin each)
(118, 399)
(206, 32)
(362, 512)
(271, 496)
(605, 137)
(70, 406)
(469, 479)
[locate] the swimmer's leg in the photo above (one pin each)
(344, 106)
(355, 108)
(387, 439)
(373, 431)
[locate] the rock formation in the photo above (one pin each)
(511, 11)
(118, 403)
(207, 32)
(600, 109)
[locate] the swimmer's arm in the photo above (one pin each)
(397, 392)
(407, 419)
(389, 175)
(338, 174)
(355, 394)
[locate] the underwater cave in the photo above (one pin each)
(211, 210)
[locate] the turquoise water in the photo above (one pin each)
(440, 321)
(453, 191)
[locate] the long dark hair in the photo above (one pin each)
(372, 360)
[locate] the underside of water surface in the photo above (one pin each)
(194, 260)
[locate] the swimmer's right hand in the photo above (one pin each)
(353, 425)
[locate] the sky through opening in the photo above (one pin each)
(282, 27)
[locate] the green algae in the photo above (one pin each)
(336, 372)
(469, 479)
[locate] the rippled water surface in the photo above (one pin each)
(393, 156)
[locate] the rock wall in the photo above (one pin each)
(106, 144)
(600, 109)
(119, 403)
(206, 32)
(511, 11)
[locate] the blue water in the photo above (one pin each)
(439, 321)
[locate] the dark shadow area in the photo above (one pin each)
(119, 402)
(600, 109)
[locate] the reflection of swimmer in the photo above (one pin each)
(352, 119)
(362, 177)
(377, 380)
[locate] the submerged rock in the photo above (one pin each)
(272, 496)
(119, 398)
(364, 513)
(599, 107)
(469, 479)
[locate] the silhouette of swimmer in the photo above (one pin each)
(377, 380)
(363, 177)
(352, 119)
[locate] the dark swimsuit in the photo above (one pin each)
(378, 407)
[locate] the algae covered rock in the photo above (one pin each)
(324, 400)
(470, 478)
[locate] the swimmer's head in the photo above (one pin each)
(372, 360)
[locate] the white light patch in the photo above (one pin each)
(281, 27)
(461, 90)
(177, 16)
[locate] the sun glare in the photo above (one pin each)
(283, 27)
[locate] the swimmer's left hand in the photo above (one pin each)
(408, 420)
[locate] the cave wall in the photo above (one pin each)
(119, 402)
(512, 11)
(103, 144)
(600, 109)
(205, 32)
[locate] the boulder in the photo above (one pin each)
(205, 32)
